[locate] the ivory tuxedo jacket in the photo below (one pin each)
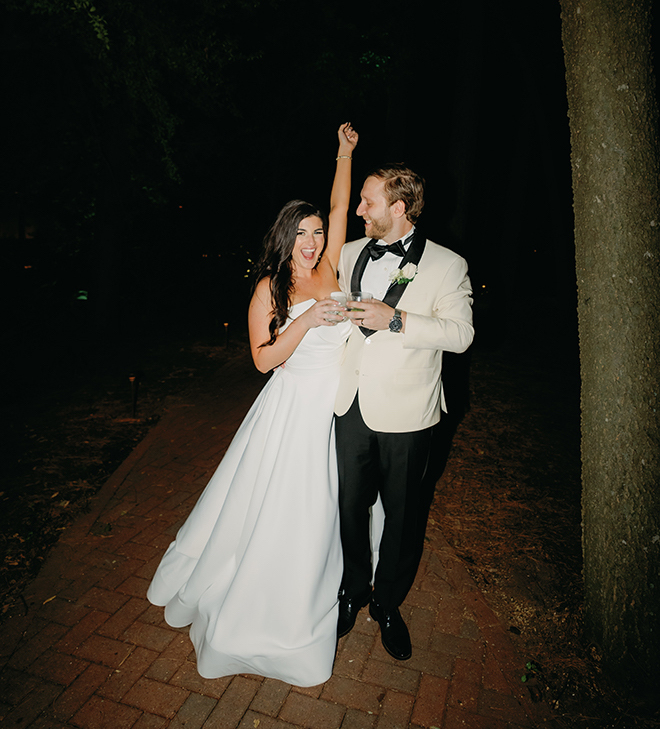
(398, 377)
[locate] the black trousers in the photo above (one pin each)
(392, 465)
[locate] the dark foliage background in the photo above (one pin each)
(150, 144)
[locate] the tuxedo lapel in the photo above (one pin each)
(358, 269)
(414, 254)
(395, 291)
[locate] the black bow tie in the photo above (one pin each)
(377, 251)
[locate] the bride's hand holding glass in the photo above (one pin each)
(324, 313)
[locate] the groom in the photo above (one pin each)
(390, 392)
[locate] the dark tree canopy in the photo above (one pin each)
(150, 134)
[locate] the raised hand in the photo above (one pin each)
(348, 138)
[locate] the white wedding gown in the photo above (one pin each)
(256, 568)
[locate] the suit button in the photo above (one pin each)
(357, 372)
(367, 341)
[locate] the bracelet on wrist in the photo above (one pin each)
(343, 156)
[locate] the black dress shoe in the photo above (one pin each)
(393, 631)
(349, 607)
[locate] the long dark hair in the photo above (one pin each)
(275, 260)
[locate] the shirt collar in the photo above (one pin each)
(407, 238)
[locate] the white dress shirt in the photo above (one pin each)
(376, 276)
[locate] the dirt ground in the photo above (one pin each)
(508, 499)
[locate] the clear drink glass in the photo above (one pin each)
(360, 296)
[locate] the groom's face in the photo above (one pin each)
(374, 209)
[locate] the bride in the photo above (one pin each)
(255, 569)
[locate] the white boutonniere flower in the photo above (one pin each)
(404, 275)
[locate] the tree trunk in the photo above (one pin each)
(615, 164)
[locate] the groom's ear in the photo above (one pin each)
(398, 209)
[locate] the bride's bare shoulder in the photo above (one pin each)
(262, 293)
(263, 287)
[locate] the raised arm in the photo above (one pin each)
(341, 195)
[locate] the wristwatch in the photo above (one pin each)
(396, 324)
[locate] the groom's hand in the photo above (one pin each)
(374, 315)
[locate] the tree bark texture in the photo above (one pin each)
(615, 166)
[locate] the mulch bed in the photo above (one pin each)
(508, 500)
(67, 433)
(509, 503)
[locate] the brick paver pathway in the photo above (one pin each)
(91, 652)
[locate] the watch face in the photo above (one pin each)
(396, 324)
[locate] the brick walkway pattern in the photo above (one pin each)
(89, 651)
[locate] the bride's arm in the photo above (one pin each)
(260, 315)
(340, 196)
